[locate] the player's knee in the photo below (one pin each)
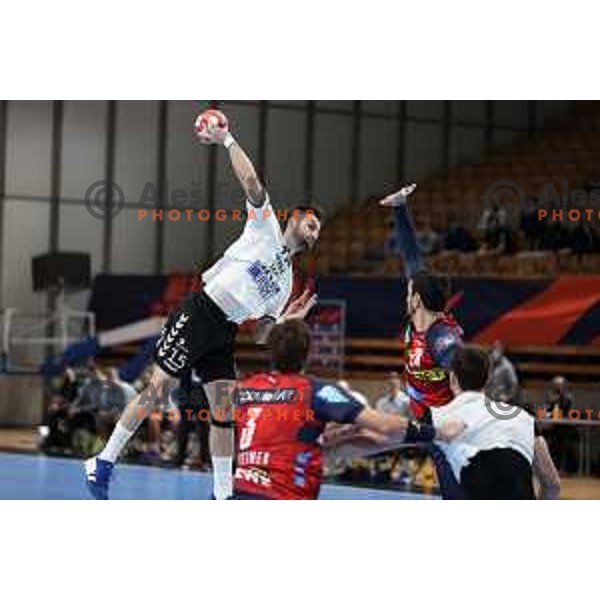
(156, 394)
(220, 393)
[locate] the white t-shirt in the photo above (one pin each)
(399, 404)
(483, 431)
(254, 277)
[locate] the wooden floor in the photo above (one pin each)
(573, 488)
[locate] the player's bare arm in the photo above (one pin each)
(545, 471)
(244, 171)
(376, 432)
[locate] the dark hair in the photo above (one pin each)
(289, 343)
(305, 209)
(434, 290)
(471, 367)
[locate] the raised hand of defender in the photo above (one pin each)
(301, 306)
(399, 197)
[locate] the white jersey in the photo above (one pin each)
(484, 431)
(254, 277)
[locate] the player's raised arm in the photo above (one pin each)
(212, 128)
(404, 229)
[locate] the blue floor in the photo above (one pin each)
(26, 477)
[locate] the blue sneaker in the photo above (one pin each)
(97, 477)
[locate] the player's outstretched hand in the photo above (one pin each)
(301, 306)
(399, 197)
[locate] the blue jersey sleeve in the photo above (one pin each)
(444, 340)
(331, 403)
(406, 240)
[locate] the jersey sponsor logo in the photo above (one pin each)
(253, 475)
(430, 375)
(267, 277)
(253, 396)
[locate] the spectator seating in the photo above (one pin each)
(567, 151)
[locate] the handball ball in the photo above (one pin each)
(209, 121)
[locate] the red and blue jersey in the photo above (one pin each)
(428, 356)
(279, 420)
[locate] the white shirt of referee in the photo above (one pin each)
(254, 277)
(483, 430)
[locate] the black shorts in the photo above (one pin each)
(197, 335)
(500, 474)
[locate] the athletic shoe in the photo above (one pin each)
(97, 477)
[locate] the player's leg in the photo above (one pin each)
(99, 468)
(180, 341)
(222, 435)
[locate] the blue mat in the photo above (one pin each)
(26, 477)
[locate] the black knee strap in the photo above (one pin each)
(222, 424)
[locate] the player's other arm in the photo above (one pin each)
(297, 309)
(379, 432)
(545, 471)
(371, 431)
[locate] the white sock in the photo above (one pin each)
(222, 477)
(118, 440)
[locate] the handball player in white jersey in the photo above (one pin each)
(253, 280)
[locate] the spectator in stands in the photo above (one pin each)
(492, 223)
(582, 239)
(394, 466)
(562, 439)
(395, 400)
(496, 233)
(503, 384)
(531, 226)
(55, 431)
(111, 400)
(169, 448)
(83, 411)
(555, 237)
(558, 398)
(70, 386)
(428, 239)
(458, 238)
